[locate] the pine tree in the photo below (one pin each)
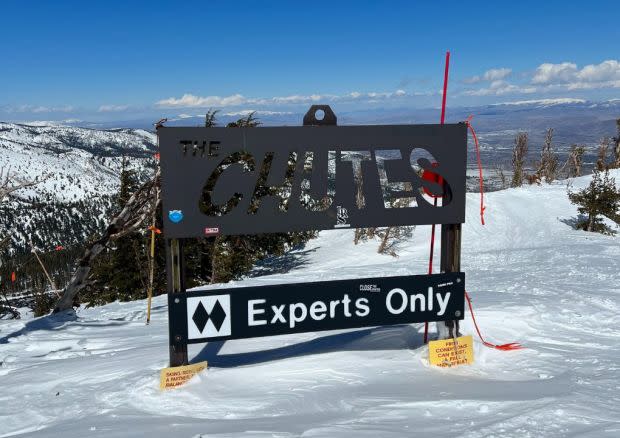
(120, 273)
(600, 198)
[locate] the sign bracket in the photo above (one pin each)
(177, 322)
(450, 262)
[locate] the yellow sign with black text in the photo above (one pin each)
(174, 377)
(451, 352)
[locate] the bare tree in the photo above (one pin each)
(519, 151)
(501, 175)
(548, 165)
(136, 212)
(575, 160)
(601, 161)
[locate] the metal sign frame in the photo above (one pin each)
(213, 182)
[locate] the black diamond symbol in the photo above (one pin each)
(201, 316)
(217, 315)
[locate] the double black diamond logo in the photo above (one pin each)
(216, 316)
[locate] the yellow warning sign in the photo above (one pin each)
(451, 352)
(177, 376)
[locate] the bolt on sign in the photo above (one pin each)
(237, 181)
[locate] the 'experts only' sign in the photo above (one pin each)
(235, 313)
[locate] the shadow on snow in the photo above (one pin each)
(399, 337)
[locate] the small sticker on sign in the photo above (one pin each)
(447, 353)
(212, 231)
(174, 377)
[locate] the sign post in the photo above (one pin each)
(320, 176)
(176, 285)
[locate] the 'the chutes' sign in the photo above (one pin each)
(284, 179)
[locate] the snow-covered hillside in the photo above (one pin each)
(533, 278)
(80, 170)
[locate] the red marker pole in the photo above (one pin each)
(445, 88)
(442, 120)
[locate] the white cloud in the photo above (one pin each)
(550, 77)
(38, 109)
(112, 108)
(568, 75)
(494, 74)
(189, 101)
(192, 101)
(545, 102)
(605, 71)
(500, 87)
(554, 73)
(247, 112)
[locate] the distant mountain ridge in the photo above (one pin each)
(82, 163)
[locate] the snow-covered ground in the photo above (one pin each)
(533, 278)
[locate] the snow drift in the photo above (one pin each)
(533, 277)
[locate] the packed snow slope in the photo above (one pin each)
(534, 279)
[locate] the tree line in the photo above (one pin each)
(114, 265)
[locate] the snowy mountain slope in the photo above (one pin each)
(79, 162)
(80, 171)
(533, 279)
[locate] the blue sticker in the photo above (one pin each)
(175, 216)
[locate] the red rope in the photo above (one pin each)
(473, 133)
(504, 347)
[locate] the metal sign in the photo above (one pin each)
(247, 312)
(226, 181)
(264, 180)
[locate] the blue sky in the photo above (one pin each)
(105, 60)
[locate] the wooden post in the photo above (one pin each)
(450, 262)
(49, 278)
(177, 317)
(149, 292)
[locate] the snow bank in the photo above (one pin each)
(533, 278)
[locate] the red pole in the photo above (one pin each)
(443, 118)
(445, 88)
